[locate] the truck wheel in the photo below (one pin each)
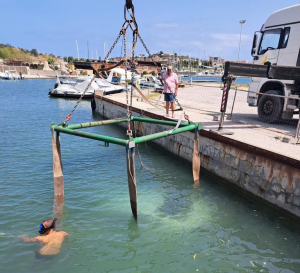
(270, 108)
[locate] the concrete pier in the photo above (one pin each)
(249, 161)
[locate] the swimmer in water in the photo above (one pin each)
(52, 241)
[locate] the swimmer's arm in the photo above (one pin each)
(30, 240)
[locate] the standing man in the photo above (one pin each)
(170, 89)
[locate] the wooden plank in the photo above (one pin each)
(58, 206)
(130, 154)
(57, 167)
(196, 161)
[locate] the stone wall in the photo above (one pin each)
(245, 169)
(23, 69)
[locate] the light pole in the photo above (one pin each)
(241, 22)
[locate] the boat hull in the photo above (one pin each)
(72, 96)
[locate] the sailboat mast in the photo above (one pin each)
(88, 50)
(77, 50)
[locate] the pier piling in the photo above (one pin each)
(130, 155)
(57, 166)
(196, 159)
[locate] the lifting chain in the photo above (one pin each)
(129, 4)
(132, 66)
(69, 117)
(129, 132)
(128, 8)
(113, 46)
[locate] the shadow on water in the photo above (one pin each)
(133, 234)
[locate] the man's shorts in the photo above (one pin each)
(169, 97)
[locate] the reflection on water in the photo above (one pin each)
(180, 228)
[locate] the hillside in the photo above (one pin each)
(10, 53)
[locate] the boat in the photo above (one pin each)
(2, 75)
(9, 75)
(77, 89)
(117, 76)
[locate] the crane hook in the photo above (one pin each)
(129, 4)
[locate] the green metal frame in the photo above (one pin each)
(71, 130)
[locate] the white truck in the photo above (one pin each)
(277, 43)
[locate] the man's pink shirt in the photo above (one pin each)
(172, 82)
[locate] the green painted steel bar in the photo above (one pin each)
(113, 140)
(162, 122)
(95, 123)
(143, 139)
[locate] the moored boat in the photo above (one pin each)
(77, 89)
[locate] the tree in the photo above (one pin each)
(34, 52)
(51, 61)
(69, 59)
(206, 63)
(153, 73)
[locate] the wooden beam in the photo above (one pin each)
(130, 154)
(57, 166)
(196, 160)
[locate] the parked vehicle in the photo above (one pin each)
(277, 43)
(150, 81)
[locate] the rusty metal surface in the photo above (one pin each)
(98, 65)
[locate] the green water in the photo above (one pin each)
(179, 229)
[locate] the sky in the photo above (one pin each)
(196, 28)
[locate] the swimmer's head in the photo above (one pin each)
(47, 225)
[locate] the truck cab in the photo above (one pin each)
(277, 43)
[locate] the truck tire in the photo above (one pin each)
(270, 108)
